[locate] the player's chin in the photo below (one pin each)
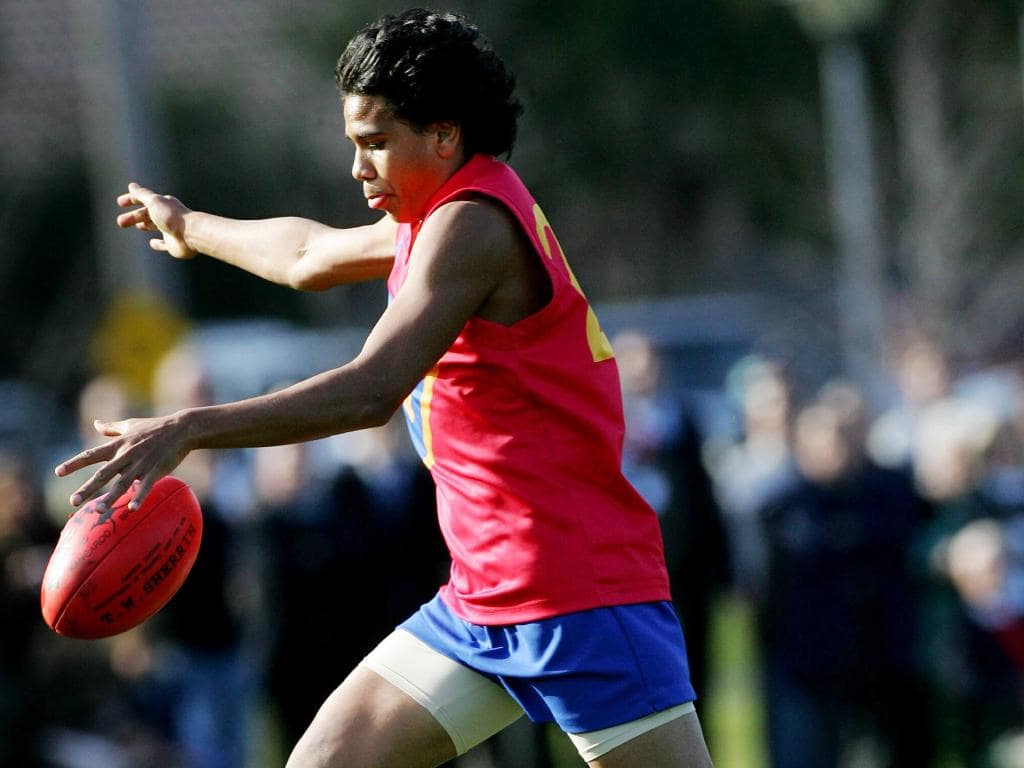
(402, 216)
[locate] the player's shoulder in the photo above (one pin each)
(475, 211)
(475, 223)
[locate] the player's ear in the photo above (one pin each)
(448, 136)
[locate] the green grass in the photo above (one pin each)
(732, 713)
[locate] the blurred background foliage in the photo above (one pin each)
(678, 146)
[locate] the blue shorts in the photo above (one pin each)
(586, 671)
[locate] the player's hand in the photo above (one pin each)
(142, 451)
(159, 213)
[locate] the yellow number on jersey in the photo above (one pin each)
(600, 347)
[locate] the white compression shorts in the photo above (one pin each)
(472, 708)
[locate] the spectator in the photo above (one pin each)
(200, 656)
(413, 559)
(922, 378)
(838, 638)
(372, 519)
(969, 552)
(754, 467)
(662, 457)
(26, 539)
(310, 645)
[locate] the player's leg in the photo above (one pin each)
(678, 743)
(367, 722)
(406, 705)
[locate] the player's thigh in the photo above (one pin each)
(368, 722)
(678, 743)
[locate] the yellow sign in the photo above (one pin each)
(135, 332)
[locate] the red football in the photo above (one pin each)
(112, 571)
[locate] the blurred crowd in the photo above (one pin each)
(875, 537)
(310, 554)
(879, 548)
(878, 544)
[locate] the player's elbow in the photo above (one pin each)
(374, 392)
(377, 408)
(376, 414)
(302, 277)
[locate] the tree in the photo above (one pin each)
(957, 133)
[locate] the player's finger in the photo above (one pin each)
(103, 502)
(158, 244)
(147, 226)
(140, 194)
(142, 488)
(131, 218)
(110, 481)
(85, 458)
(114, 491)
(94, 486)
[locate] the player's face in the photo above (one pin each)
(400, 167)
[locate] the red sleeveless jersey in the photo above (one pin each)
(521, 427)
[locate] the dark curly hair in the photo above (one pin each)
(433, 67)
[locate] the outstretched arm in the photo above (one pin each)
(460, 260)
(291, 251)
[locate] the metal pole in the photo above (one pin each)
(1020, 42)
(850, 148)
(122, 142)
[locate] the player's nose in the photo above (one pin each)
(362, 169)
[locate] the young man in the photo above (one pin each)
(558, 598)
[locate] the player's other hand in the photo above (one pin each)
(142, 450)
(159, 213)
